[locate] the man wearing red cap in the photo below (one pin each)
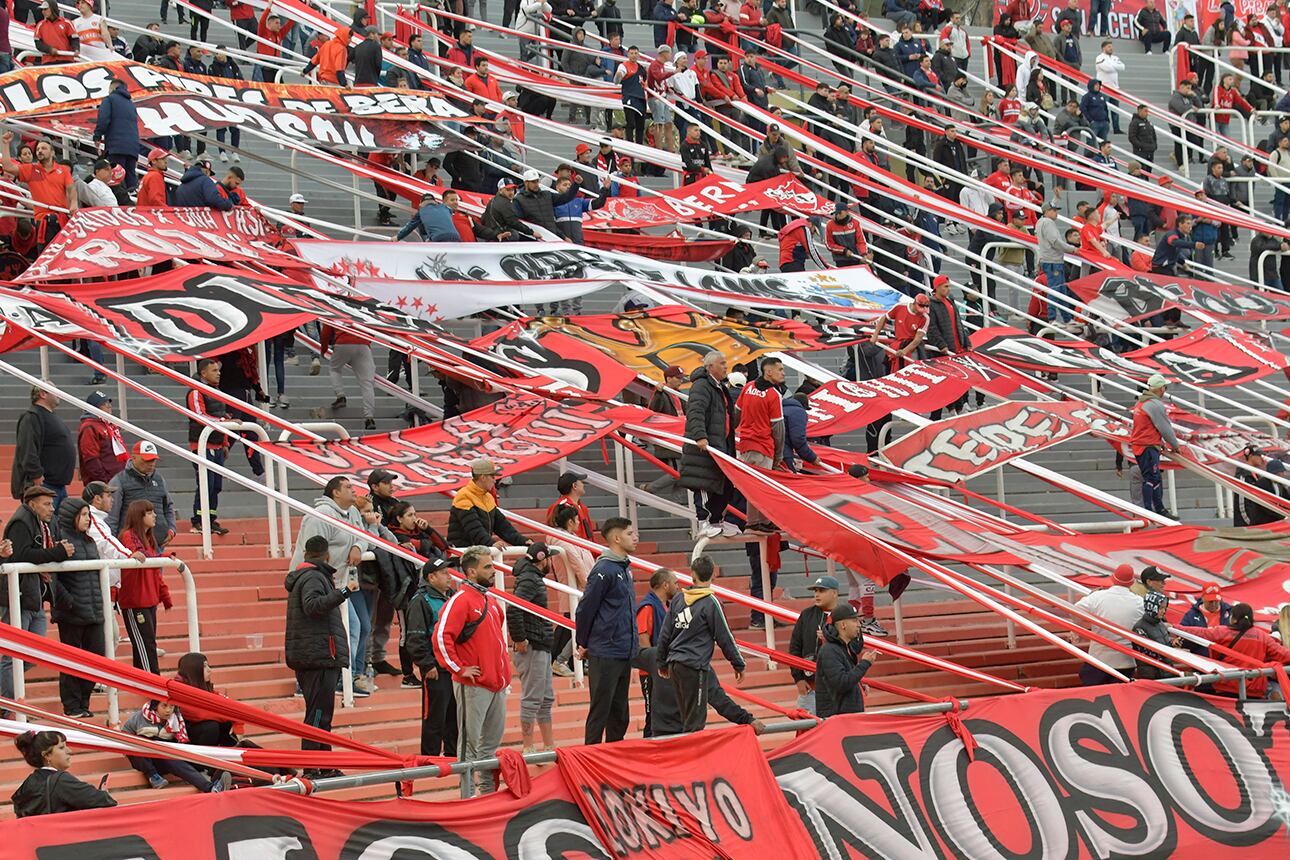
(1120, 606)
(1209, 610)
(152, 190)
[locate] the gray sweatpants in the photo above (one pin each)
(358, 358)
(537, 689)
(755, 458)
(481, 720)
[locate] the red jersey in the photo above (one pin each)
(760, 406)
(1010, 110)
(47, 187)
(464, 229)
(276, 38)
(1088, 234)
(906, 323)
(152, 189)
(58, 35)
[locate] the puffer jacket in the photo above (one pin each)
(130, 486)
(76, 598)
(118, 124)
(316, 637)
(538, 207)
(475, 520)
(198, 189)
(709, 414)
(838, 674)
(526, 626)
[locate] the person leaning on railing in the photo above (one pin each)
(29, 537)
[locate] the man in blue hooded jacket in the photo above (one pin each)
(433, 221)
(117, 129)
(196, 188)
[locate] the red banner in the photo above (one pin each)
(1038, 355)
(518, 433)
(710, 196)
(924, 386)
(672, 249)
(170, 103)
(1123, 15)
(720, 800)
(1126, 770)
(100, 242)
(965, 446)
(1141, 295)
(561, 357)
(1215, 354)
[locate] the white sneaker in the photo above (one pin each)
(711, 530)
(729, 529)
(237, 159)
(223, 156)
(284, 402)
(871, 627)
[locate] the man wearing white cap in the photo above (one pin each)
(297, 203)
(1152, 430)
(656, 77)
(536, 204)
(139, 480)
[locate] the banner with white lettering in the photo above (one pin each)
(1136, 296)
(102, 241)
(710, 196)
(856, 289)
(1215, 354)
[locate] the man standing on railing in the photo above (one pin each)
(315, 645)
(1152, 431)
(44, 453)
(140, 480)
(29, 538)
(468, 641)
(606, 633)
(1053, 249)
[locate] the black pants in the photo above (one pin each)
(211, 733)
(608, 717)
(635, 124)
(510, 8)
(438, 715)
(712, 506)
(198, 27)
(141, 627)
(691, 696)
(1091, 676)
(319, 689)
(647, 689)
(73, 691)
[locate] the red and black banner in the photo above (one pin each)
(175, 103)
(1135, 770)
(99, 242)
(1038, 355)
(1215, 354)
(840, 406)
(518, 433)
(710, 196)
(965, 446)
(1134, 297)
(559, 356)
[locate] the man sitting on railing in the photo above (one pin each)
(1152, 28)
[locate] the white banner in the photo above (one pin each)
(451, 300)
(856, 289)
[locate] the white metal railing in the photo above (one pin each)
(16, 570)
(203, 488)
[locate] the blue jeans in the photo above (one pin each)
(60, 493)
(1101, 129)
(360, 628)
(234, 134)
(754, 580)
(214, 483)
(1152, 492)
(33, 621)
(1281, 204)
(1056, 275)
(6, 63)
(281, 344)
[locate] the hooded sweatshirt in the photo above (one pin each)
(694, 624)
(838, 674)
(333, 56)
(339, 541)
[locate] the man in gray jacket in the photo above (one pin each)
(694, 624)
(140, 480)
(344, 550)
(1053, 249)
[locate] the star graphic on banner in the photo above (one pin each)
(401, 301)
(416, 303)
(432, 311)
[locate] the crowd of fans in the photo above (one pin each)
(345, 592)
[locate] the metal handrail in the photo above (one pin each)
(102, 565)
(203, 490)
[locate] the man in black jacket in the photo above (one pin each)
(695, 623)
(946, 334)
(531, 639)
(808, 633)
(438, 707)
(317, 647)
(44, 453)
(499, 215)
(475, 519)
(367, 60)
(665, 712)
(837, 671)
(536, 204)
(1248, 512)
(710, 421)
(951, 154)
(29, 537)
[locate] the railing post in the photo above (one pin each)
(620, 476)
(109, 643)
(204, 495)
(15, 619)
(120, 388)
(767, 594)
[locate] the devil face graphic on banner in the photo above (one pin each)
(1144, 295)
(1214, 355)
(1037, 355)
(559, 356)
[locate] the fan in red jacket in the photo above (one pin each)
(468, 637)
(1240, 635)
(1226, 95)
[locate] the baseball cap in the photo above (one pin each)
(157, 152)
(297, 198)
(1211, 590)
(510, 94)
(581, 148)
(145, 450)
(673, 371)
(843, 612)
(624, 159)
(483, 466)
(824, 582)
(95, 488)
(434, 565)
(922, 300)
(940, 279)
(568, 479)
(1051, 204)
(538, 551)
(1153, 572)
(1123, 575)
(97, 399)
(1157, 380)
(380, 476)
(531, 175)
(203, 163)
(506, 182)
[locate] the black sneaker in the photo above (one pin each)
(218, 529)
(83, 714)
(339, 402)
(384, 668)
(410, 683)
(369, 423)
